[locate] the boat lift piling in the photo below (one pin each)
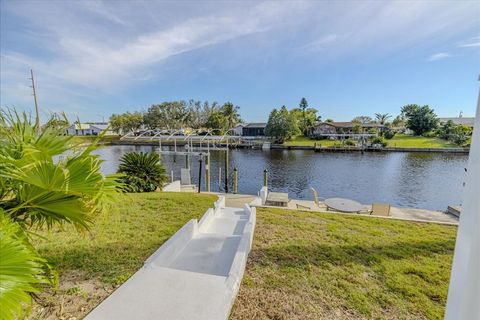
(204, 144)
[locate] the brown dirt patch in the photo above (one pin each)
(74, 298)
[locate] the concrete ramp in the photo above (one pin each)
(196, 274)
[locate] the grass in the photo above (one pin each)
(89, 139)
(307, 142)
(399, 140)
(406, 141)
(93, 264)
(330, 266)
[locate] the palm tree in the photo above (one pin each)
(230, 114)
(143, 172)
(382, 118)
(21, 270)
(45, 179)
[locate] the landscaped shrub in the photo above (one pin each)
(142, 172)
(351, 142)
(379, 141)
(458, 134)
(389, 134)
(430, 134)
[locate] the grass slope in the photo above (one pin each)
(89, 139)
(331, 266)
(93, 264)
(307, 142)
(406, 141)
(399, 140)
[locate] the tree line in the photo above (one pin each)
(179, 114)
(420, 120)
(283, 124)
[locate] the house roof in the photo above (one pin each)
(469, 121)
(352, 124)
(256, 125)
(80, 126)
(100, 126)
(88, 126)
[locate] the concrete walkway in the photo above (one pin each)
(194, 275)
(400, 213)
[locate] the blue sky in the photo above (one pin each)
(348, 58)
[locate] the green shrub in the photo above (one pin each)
(380, 141)
(142, 172)
(389, 134)
(351, 142)
(430, 134)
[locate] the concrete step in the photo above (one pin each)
(232, 213)
(162, 293)
(226, 226)
(208, 253)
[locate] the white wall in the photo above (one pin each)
(464, 292)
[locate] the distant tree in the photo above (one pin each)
(303, 104)
(382, 117)
(461, 134)
(446, 130)
(329, 120)
(126, 122)
(216, 121)
(281, 125)
(362, 119)
(167, 115)
(420, 119)
(195, 117)
(357, 128)
(399, 121)
(230, 114)
(458, 134)
(57, 122)
(306, 117)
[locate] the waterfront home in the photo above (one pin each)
(238, 129)
(322, 129)
(466, 121)
(254, 129)
(88, 129)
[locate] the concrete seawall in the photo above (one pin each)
(322, 149)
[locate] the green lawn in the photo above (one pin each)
(307, 142)
(89, 139)
(406, 141)
(330, 266)
(91, 265)
(399, 140)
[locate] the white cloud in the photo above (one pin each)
(439, 56)
(322, 43)
(468, 45)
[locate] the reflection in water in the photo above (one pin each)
(422, 180)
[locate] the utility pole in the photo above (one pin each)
(37, 112)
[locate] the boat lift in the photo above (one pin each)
(194, 146)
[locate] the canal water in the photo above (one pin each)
(418, 180)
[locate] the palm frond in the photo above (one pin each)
(21, 270)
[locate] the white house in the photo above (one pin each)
(238, 129)
(88, 129)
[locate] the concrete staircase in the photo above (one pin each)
(196, 274)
